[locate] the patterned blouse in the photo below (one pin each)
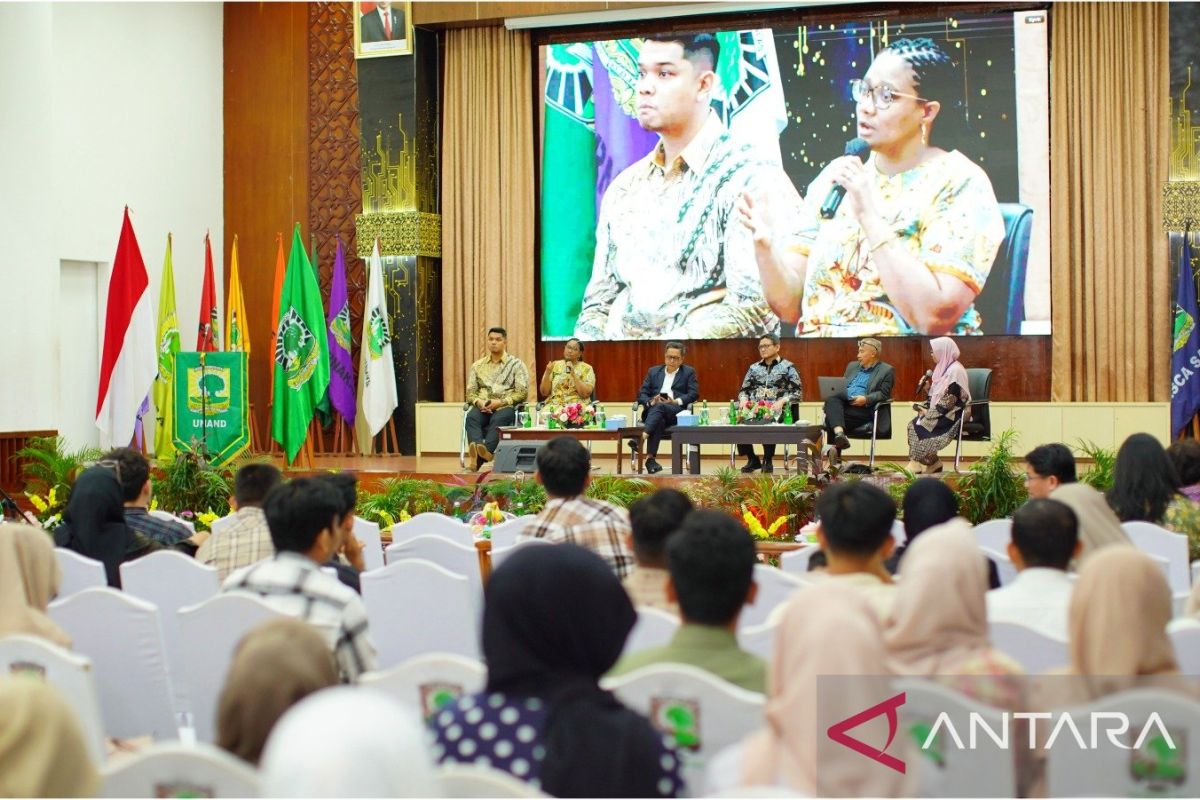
(562, 383)
(772, 382)
(507, 380)
(943, 211)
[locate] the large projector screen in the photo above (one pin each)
(683, 179)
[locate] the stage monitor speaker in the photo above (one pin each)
(516, 456)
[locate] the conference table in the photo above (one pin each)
(805, 437)
(631, 432)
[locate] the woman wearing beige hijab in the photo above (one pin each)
(1098, 525)
(29, 579)
(42, 749)
(276, 665)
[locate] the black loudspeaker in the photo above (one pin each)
(519, 456)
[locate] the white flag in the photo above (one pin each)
(376, 371)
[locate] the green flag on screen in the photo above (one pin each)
(301, 352)
(168, 345)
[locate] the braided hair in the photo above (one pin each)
(935, 77)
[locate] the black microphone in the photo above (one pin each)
(854, 147)
(925, 379)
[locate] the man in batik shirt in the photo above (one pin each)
(773, 379)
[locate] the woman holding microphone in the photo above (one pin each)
(570, 380)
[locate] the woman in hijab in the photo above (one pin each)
(42, 749)
(1098, 525)
(94, 521)
(555, 619)
(937, 421)
(348, 741)
(29, 579)
(276, 665)
(930, 502)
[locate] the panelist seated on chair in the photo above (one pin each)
(668, 389)
(869, 381)
(571, 380)
(771, 378)
(496, 383)
(938, 418)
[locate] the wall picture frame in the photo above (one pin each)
(382, 29)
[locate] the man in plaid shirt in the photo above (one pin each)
(245, 538)
(564, 468)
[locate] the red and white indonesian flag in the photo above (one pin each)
(129, 360)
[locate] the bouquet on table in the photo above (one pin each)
(756, 411)
(571, 415)
(481, 522)
(755, 520)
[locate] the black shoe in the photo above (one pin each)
(752, 465)
(768, 466)
(653, 467)
(841, 442)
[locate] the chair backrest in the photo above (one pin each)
(1001, 304)
(209, 633)
(426, 683)
(795, 562)
(169, 517)
(1005, 568)
(175, 770)
(476, 780)
(122, 636)
(431, 523)
(654, 628)
(367, 532)
(459, 558)
(986, 771)
(774, 588)
(1187, 647)
(995, 534)
(78, 572)
(702, 712)
(500, 554)
(979, 426)
(899, 534)
(416, 607)
(1033, 650)
(1158, 541)
(505, 534)
(759, 640)
(1154, 769)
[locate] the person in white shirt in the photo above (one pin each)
(1045, 537)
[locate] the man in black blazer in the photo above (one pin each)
(668, 389)
(869, 382)
(373, 29)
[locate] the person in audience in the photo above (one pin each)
(246, 538)
(826, 630)
(930, 502)
(304, 516)
(652, 519)
(275, 666)
(564, 468)
(1048, 467)
(1045, 538)
(542, 716)
(1098, 525)
(348, 741)
(668, 389)
(347, 560)
(29, 580)
(869, 382)
(711, 562)
(133, 471)
(495, 384)
(43, 752)
(855, 531)
(94, 523)
(1185, 455)
(571, 380)
(938, 419)
(770, 378)
(1146, 488)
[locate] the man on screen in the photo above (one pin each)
(671, 259)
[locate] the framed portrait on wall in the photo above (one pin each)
(382, 29)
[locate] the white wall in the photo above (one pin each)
(104, 105)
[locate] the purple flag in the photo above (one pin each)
(620, 139)
(341, 365)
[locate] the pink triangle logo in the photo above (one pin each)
(837, 732)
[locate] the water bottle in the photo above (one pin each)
(787, 413)
(704, 413)
(600, 417)
(529, 418)
(732, 412)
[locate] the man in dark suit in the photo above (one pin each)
(668, 389)
(869, 382)
(383, 24)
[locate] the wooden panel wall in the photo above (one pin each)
(266, 159)
(10, 466)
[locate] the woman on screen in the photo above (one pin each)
(937, 420)
(910, 246)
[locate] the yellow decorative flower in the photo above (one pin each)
(387, 518)
(206, 518)
(52, 500)
(404, 515)
(492, 513)
(38, 503)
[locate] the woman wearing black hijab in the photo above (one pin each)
(555, 620)
(94, 522)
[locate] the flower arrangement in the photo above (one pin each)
(482, 521)
(572, 415)
(756, 522)
(752, 410)
(49, 508)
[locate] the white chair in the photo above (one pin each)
(702, 712)
(500, 554)
(1153, 770)
(431, 523)
(899, 534)
(78, 572)
(987, 771)
(994, 534)
(654, 628)
(1033, 650)
(175, 770)
(210, 632)
(416, 607)
(171, 581)
(505, 534)
(69, 673)
(167, 515)
(476, 780)
(123, 638)
(774, 588)
(795, 562)
(1005, 568)
(1186, 639)
(425, 683)
(461, 559)
(1158, 541)
(367, 532)
(759, 640)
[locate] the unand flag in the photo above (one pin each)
(237, 336)
(168, 346)
(376, 370)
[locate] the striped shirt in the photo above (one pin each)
(240, 543)
(163, 531)
(594, 524)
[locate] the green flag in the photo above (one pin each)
(324, 409)
(168, 346)
(301, 352)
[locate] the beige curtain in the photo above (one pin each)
(1111, 299)
(487, 198)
